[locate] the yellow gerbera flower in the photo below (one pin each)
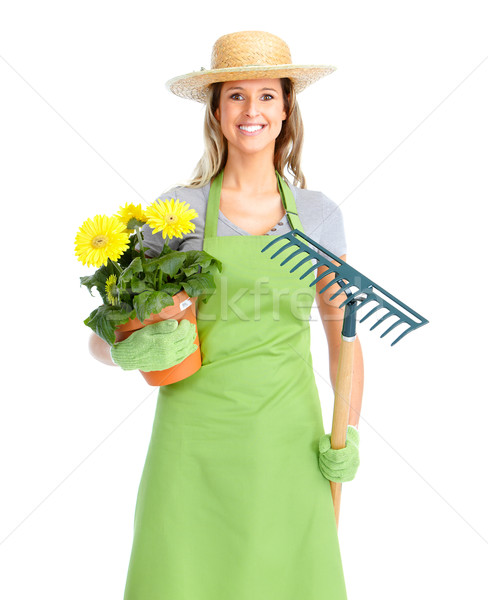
(170, 217)
(111, 289)
(129, 212)
(99, 239)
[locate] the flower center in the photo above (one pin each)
(99, 241)
(171, 218)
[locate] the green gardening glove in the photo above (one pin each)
(340, 464)
(156, 347)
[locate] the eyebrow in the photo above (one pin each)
(241, 88)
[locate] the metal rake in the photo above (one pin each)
(359, 290)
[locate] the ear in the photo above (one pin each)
(217, 114)
(284, 116)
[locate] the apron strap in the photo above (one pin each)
(289, 203)
(213, 205)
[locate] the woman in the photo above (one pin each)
(232, 502)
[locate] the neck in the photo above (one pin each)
(250, 174)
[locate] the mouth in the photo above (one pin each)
(253, 129)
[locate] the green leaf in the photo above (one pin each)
(171, 288)
(125, 299)
(169, 264)
(140, 285)
(166, 250)
(133, 223)
(213, 265)
(200, 284)
(131, 253)
(98, 279)
(193, 257)
(127, 274)
(149, 302)
(104, 319)
(202, 259)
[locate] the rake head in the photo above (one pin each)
(358, 289)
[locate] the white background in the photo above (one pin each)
(397, 136)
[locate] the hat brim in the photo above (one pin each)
(194, 85)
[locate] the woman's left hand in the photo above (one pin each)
(340, 464)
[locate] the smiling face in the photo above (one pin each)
(250, 113)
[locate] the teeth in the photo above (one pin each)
(251, 127)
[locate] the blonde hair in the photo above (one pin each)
(288, 145)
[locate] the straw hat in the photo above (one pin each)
(246, 55)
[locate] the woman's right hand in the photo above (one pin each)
(156, 347)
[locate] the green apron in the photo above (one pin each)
(232, 504)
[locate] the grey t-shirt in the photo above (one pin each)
(321, 220)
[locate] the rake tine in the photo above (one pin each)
(343, 289)
(402, 335)
(335, 280)
(299, 264)
(368, 299)
(317, 279)
(371, 311)
(275, 239)
(351, 295)
(282, 248)
(351, 298)
(399, 322)
(309, 271)
(385, 316)
(292, 255)
(330, 270)
(279, 249)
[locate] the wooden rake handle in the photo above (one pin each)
(342, 400)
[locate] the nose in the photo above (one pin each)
(251, 107)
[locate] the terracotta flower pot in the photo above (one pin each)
(184, 307)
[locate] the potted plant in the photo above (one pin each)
(137, 290)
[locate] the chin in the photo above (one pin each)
(252, 146)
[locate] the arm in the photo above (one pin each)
(332, 318)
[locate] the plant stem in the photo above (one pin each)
(117, 266)
(139, 238)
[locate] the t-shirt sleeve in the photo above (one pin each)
(155, 241)
(332, 235)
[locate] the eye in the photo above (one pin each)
(269, 96)
(235, 94)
